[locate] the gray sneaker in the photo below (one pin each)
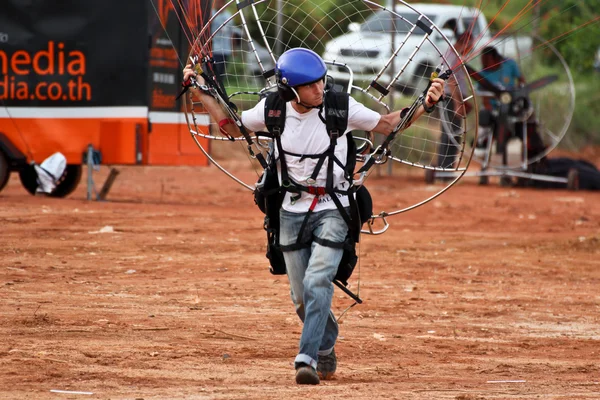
(326, 365)
(306, 375)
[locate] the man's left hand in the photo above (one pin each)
(436, 89)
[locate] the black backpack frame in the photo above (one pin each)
(269, 194)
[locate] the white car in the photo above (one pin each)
(366, 49)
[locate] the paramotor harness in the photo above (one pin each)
(269, 192)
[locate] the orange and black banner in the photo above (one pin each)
(74, 53)
(167, 54)
(170, 35)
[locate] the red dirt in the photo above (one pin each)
(483, 285)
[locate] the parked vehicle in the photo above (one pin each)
(263, 56)
(367, 48)
(67, 82)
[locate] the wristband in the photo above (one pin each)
(224, 122)
(428, 110)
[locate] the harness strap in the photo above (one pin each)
(285, 178)
(343, 212)
(332, 192)
(318, 192)
(295, 246)
(323, 242)
(304, 223)
(333, 140)
(329, 243)
(304, 156)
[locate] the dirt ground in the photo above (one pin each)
(163, 292)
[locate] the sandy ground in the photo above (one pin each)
(163, 292)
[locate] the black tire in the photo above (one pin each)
(69, 181)
(66, 184)
(28, 178)
(506, 181)
(484, 180)
(573, 179)
(4, 171)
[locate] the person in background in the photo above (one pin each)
(455, 110)
(222, 40)
(503, 72)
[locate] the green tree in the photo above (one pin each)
(574, 28)
(309, 23)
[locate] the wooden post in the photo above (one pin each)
(108, 183)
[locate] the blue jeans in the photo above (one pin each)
(311, 272)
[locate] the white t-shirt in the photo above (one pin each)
(306, 134)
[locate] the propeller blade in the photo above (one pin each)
(540, 83)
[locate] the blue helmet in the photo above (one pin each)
(297, 67)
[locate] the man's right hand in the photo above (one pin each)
(188, 72)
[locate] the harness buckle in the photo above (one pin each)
(316, 190)
(381, 154)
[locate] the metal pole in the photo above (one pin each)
(90, 165)
(279, 26)
(391, 68)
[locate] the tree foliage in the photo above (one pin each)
(572, 30)
(310, 23)
(572, 26)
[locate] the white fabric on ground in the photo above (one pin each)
(49, 171)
